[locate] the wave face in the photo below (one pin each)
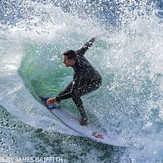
(128, 54)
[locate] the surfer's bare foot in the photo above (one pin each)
(83, 120)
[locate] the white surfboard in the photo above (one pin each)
(89, 131)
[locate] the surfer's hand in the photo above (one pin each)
(51, 101)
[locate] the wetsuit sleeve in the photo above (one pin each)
(75, 85)
(85, 47)
(65, 94)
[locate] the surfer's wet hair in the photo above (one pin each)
(70, 54)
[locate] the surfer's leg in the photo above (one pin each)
(84, 88)
(77, 100)
(84, 119)
(92, 86)
(87, 87)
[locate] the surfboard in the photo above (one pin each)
(90, 131)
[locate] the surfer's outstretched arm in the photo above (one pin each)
(66, 94)
(86, 46)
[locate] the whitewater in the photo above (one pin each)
(129, 56)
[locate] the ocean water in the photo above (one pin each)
(128, 54)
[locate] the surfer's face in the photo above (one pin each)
(68, 62)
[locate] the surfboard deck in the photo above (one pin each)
(89, 131)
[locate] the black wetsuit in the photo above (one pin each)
(86, 78)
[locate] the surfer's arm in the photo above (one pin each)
(60, 97)
(75, 85)
(86, 46)
(64, 96)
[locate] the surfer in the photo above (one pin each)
(85, 79)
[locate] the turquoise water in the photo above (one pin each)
(128, 103)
